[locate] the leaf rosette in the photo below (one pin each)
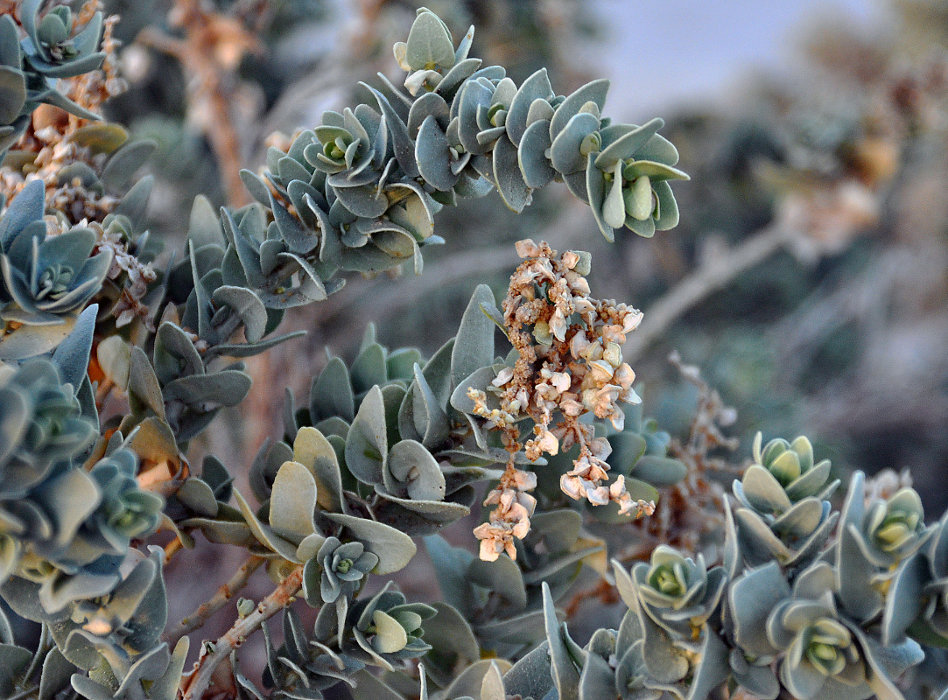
(789, 465)
(31, 65)
(346, 143)
(673, 606)
(125, 511)
(892, 528)
(387, 628)
(50, 46)
(50, 277)
(78, 530)
(44, 500)
(878, 540)
(342, 569)
(821, 653)
(679, 593)
(782, 511)
(627, 178)
(47, 279)
(42, 427)
(825, 653)
(917, 599)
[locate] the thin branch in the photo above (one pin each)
(156, 39)
(707, 279)
(23, 694)
(172, 548)
(211, 41)
(226, 145)
(216, 602)
(197, 683)
(476, 262)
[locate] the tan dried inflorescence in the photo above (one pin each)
(49, 139)
(53, 152)
(48, 134)
(570, 364)
(91, 90)
(138, 276)
(885, 484)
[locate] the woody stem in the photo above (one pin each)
(196, 684)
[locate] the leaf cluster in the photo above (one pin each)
(98, 410)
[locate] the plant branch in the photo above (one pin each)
(220, 598)
(211, 48)
(172, 548)
(710, 277)
(212, 655)
(23, 694)
(481, 262)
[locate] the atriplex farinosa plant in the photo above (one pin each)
(393, 446)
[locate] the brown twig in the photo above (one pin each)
(211, 49)
(212, 655)
(216, 602)
(710, 277)
(602, 590)
(692, 508)
(172, 548)
(710, 416)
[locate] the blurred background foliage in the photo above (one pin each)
(807, 277)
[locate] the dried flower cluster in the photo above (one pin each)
(48, 134)
(570, 365)
(136, 275)
(56, 153)
(53, 153)
(91, 90)
(800, 600)
(694, 507)
(75, 159)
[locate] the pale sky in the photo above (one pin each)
(667, 53)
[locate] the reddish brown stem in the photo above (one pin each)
(195, 685)
(216, 602)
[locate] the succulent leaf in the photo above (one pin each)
(393, 548)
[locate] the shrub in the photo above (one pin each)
(545, 429)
